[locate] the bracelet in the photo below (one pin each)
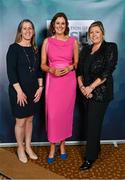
(41, 86)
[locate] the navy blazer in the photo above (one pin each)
(101, 65)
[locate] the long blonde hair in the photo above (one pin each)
(19, 35)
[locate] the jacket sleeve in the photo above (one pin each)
(11, 59)
(39, 70)
(111, 57)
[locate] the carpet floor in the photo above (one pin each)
(12, 168)
(110, 164)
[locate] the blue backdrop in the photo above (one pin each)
(110, 12)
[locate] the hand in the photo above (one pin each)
(90, 96)
(54, 71)
(59, 72)
(21, 98)
(64, 71)
(87, 91)
(82, 89)
(38, 94)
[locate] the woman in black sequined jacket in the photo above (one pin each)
(96, 65)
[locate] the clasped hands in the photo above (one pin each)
(60, 71)
(87, 91)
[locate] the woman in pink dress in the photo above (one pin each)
(59, 61)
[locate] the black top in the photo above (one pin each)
(23, 67)
(101, 65)
(18, 64)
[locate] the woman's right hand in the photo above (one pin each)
(21, 98)
(83, 91)
(56, 71)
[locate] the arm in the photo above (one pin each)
(92, 86)
(111, 61)
(13, 77)
(111, 56)
(80, 74)
(12, 65)
(76, 56)
(38, 93)
(39, 73)
(44, 66)
(21, 97)
(75, 59)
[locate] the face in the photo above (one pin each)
(96, 35)
(27, 31)
(60, 25)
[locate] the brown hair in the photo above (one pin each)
(19, 35)
(52, 23)
(99, 24)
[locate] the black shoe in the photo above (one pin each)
(86, 165)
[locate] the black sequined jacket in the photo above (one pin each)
(101, 65)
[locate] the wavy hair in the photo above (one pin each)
(52, 23)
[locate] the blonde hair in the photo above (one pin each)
(19, 35)
(99, 24)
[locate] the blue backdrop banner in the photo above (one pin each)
(80, 14)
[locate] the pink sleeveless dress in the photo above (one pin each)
(60, 91)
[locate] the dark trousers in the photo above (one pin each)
(94, 115)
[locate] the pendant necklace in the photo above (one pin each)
(31, 67)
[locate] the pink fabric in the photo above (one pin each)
(60, 91)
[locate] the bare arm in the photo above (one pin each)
(44, 66)
(76, 55)
(38, 93)
(92, 86)
(75, 59)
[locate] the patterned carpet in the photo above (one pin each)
(110, 165)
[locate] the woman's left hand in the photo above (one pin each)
(87, 91)
(65, 71)
(38, 94)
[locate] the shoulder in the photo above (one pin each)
(110, 45)
(13, 48)
(73, 39)
(45, 40)
(86, 47)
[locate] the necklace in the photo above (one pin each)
(31, 67)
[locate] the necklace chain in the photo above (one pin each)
(31, 68)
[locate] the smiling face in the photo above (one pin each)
(60, 25)
(27, 31)
(96, 35)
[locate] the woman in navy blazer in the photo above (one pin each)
(96, 65)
